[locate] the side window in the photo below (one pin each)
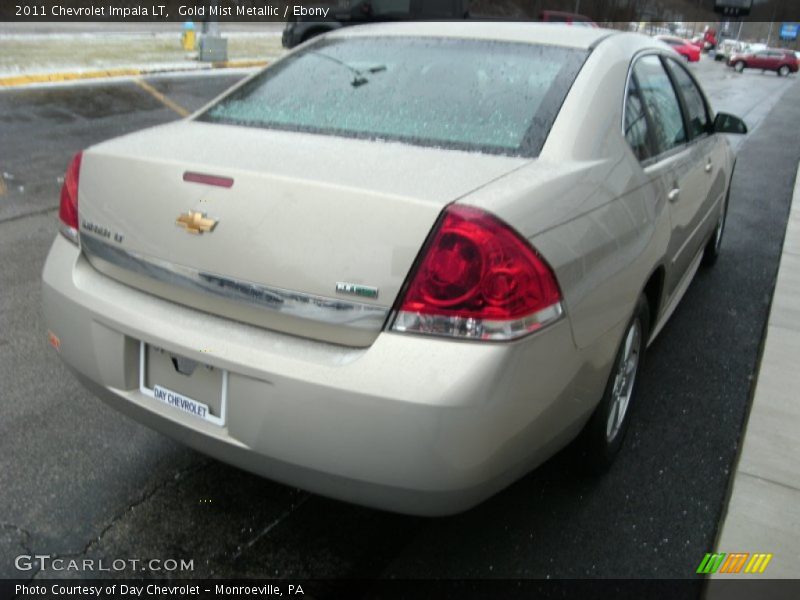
(661, 103)
(637, 132)
(693, 99)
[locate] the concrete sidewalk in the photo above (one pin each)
(27, 58)
(763, 513)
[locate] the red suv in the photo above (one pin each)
(782, 62)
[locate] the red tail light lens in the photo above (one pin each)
(478, 278)
(68, 208)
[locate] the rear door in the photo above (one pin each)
(672, 163)
(760, 60)
(705, 174)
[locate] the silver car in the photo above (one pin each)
(401, 266)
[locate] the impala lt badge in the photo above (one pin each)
(196, 222)
(367, 291)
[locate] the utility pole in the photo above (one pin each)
(213, 47)
(771, 24)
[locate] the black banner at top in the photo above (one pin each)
(600, 11)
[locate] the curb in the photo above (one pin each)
(761, 513)
(29, 79)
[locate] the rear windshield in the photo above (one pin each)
(486, 96)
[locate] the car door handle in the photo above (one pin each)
(708, 167)
(674, 195)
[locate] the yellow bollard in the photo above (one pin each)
(188, 39)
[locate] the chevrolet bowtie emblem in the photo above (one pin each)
(196, 222)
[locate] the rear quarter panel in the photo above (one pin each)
(586, 205)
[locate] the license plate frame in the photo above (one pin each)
(218, 421)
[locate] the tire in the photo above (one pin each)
(603, 435)
(712, 249)
(783, 71)
(739, 66)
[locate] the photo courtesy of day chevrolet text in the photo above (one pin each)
(124, 590)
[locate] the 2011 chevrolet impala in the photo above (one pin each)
(401, 266)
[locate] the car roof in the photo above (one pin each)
(550, 34)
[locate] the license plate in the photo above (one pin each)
(210, 387)
(181, 402)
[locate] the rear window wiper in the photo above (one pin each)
(359, 75)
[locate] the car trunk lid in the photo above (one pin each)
(306, 234)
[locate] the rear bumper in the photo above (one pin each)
(410, 424)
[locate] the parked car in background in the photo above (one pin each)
(698, 42)
(300, 29)
(706, 41)
(683, 47)
(781, 61)
(728, 48)
(402, 265)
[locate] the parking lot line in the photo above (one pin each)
(77, 75)
(161, 97)
(27, 79)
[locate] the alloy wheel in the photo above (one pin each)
(624, 380)
(720, 227)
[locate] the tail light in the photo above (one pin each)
(68, 208)
(477, 278)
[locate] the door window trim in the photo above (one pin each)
(668, 61)
(660, 55)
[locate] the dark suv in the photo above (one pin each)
(782, 62)
(298, 30)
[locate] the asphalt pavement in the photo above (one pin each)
(763, 512)
(79, 480)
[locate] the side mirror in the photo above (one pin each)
(725, 123)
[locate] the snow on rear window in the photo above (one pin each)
(476, 95)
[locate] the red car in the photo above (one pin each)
(683, 47)
(782, 62)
